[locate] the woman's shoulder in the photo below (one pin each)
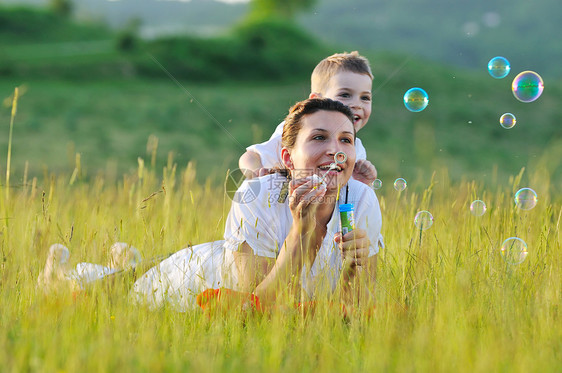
(265, 190)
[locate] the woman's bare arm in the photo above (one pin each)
(299, 248)
(265, 277)
(252, 268)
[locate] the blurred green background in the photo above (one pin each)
(208, 78)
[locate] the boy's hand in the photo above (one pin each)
(249, 174)
(264, 171)
(365, 172)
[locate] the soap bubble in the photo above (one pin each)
(507, 120)
(415, 99)
(527, 86)
(340, 157)
(514, 250)
(499, 67)
(423, 220)
(526, 198)
(400, 184)
(377, 184)
(478, 208)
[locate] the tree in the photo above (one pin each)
(61, 7)
(279, 8)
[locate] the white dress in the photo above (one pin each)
(270, 150)
(258, 218)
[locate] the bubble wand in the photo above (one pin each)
(339, 158)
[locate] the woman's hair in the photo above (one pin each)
(293, 121)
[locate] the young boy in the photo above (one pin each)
(344, 77)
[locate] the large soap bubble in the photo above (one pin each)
(527, 86)
(416, 99)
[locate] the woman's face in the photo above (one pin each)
(322, 135)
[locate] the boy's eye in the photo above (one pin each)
(366, 98)
(345, 95)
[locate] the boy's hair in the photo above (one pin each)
(293, 121)
(331, 65)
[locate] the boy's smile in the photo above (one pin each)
(353, 90)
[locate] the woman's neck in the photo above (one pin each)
(326, 209)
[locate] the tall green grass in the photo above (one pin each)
(445, 298)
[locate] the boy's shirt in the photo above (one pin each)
(270, 150)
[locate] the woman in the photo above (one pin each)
(276, 244)
(270, 241)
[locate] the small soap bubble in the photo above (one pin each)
(416, 99)
(499, 67)
(478, 208)
(423, 220)
(400, 184)
(514, 250)
(526, 198)
(507, 120)
(340, 157)
(377, 184)
(527, 86)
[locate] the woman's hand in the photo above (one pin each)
(354, 247)
(305, 195)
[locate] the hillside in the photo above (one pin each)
(460, 33)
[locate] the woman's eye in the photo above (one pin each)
(318, 137)
(347, 140)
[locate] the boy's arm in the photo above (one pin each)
(261, 159)
(250, 164)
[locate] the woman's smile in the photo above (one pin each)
(323, 134)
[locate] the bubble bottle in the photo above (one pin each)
(347, 218)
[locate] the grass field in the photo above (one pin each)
(446, 300)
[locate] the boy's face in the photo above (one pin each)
(354, 90)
